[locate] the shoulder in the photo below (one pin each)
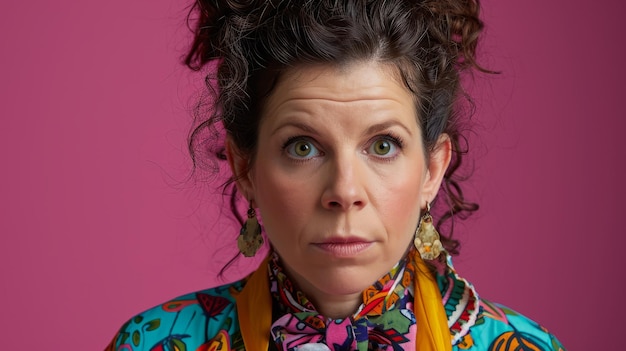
(500, 328)
(189, 322)
(477, 324)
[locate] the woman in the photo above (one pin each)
(342, 125)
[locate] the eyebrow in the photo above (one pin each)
(298, 125)
(379, 127)
(373, 129)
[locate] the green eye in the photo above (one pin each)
(302, 149)
(382, 147)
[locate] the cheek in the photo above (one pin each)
(401, 200)
(283, 202)
(403, 208)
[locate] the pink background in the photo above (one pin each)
(96, 224)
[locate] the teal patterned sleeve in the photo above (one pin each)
(195, 321)
(499, 328)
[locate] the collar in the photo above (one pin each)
(445, 306)
(460, 301)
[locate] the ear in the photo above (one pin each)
(437, 166)
(239, 165)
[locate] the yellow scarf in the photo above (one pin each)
(254, 309)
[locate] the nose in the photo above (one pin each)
(345, 184)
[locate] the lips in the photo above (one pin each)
(344, 247)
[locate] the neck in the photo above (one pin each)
(332, 300)
(330, 305)
(333, 306)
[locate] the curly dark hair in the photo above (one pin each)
(252, 43)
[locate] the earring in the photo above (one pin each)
(427, 238)
(250, 239)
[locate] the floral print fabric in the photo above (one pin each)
(384, 321)
(207, 320)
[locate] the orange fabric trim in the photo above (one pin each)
(254, 309)
(433, 332)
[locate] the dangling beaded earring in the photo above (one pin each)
(427, 240)
(250, 239)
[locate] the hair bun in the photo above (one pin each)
(459, 22)
(220, 24)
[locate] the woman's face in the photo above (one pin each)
(340, 175)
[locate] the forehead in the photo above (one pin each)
(354, 82)
(339, 102)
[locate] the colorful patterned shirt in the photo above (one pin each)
(207, 320)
